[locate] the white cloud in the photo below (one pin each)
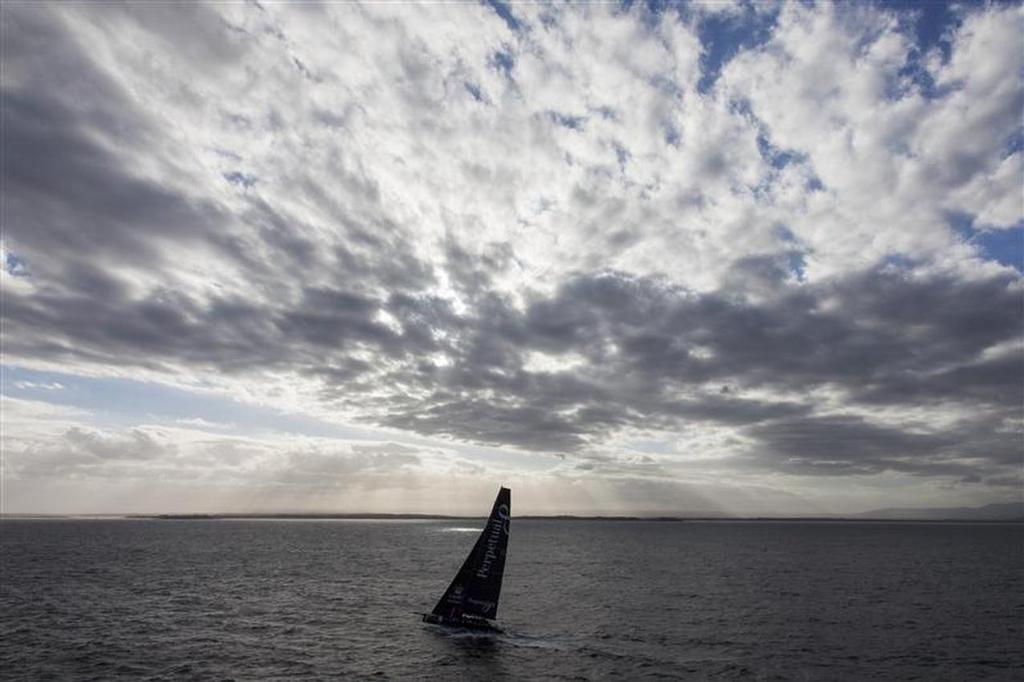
(42, 386)
(891, 158)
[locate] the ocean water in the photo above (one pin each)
(622, 600)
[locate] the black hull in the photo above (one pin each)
(464, 623)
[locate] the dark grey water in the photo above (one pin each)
(252, 600)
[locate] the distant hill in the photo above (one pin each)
(990, 512)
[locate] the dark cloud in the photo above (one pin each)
(65, 192)
(852, 445)
(334, 318)
(495, 422)
(653, 356)
(658, 355)
(844, 444)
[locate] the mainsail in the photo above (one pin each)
(476, 587)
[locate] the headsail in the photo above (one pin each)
(477, 585)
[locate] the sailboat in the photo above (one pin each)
(471, 601)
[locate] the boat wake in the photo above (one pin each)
(464, 633)
(508, 637)
(527, 641)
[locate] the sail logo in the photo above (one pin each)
(503, 517)
(497, 525)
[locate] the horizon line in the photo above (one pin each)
(213, 516)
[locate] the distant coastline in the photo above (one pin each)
(531, 517)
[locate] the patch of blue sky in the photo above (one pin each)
(933, 26)
(797, 264)
(127, 402)
(650, 10)
(1014, 143)
(672, 136)
(241, 179)
(931, 23)
(622, 155)
(15, 265)
(568, 121)
(796, 260)
(503, 61)
(505, 12)
(778, 158)
(786, 235)
(227, 154)
(1005, 246)
(474, 90)
(724, 35)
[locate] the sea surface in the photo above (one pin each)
(617, 600)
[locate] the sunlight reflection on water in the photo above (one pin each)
(460, 529)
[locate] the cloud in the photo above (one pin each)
(361, 466)
(545, 229)
(894, 139)
(844, 445)
(658, 357)
(32, 385)
(647, 352)
(86, 452)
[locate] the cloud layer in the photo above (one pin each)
(590, 233)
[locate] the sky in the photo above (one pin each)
(631, 258)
